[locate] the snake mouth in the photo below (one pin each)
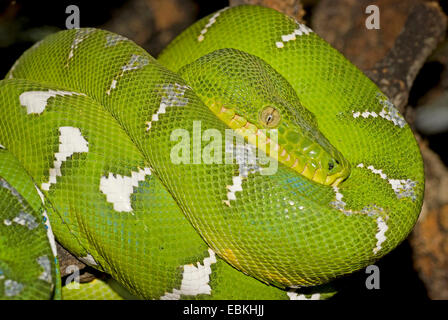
(296, 161)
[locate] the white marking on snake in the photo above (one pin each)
(50, 234)
(136, 62)
(89, 260)
(403, 188)
(381, 218)
(2, 146)
(174, 98)
(364, 114)
(236, 186)
(80, 36)
(295, 296)
(381, 234)
(210, 22)
(36, 101)
(338, 203)
(23, 218)
(70, 141)
(26, 219)
(195, 279)
(389, 112)
(247, 161)
(44, 262)
(12, 288)
(113, 39)
(118, 189)
(6, 185)
(371, 211)
(300, 31)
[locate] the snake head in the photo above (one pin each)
(252, 98)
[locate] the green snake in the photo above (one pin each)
(250, 161)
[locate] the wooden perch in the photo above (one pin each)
(396, 72)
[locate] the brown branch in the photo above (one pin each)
(66, 260)
(152, 24)
(396, 72)
(429, 240)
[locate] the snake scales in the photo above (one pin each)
(123, 154)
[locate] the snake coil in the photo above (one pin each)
(89, 125)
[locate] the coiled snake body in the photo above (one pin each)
(123, 155)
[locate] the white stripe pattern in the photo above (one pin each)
(195, 279)
(70, 141)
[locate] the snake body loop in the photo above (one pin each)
(110, 146)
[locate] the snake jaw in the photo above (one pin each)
(335, 179)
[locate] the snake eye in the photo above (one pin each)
(270, 117)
